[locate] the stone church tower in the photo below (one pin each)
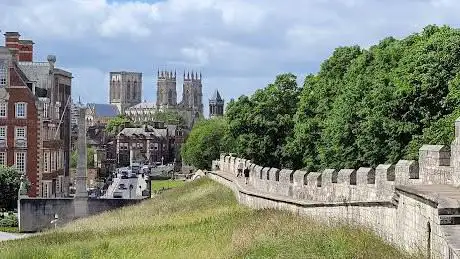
(166, 89)
(192, 93)
(216, 105)
(125, 89)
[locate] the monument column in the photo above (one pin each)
(80, 176)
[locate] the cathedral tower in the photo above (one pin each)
(192, 94)
(166, 89)
(216, 105)
(125, 89)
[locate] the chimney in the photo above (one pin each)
(12, 43)
(26, 50)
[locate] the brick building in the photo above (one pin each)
(157, 144)
(37, 117)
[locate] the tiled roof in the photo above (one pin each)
(143, 105)
(37, 72)
(104, 110)
(141, 131)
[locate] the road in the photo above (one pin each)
(139, 184)
(10, 236)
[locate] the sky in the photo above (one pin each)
(238, 45)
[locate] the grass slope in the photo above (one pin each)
(160, 184)
(199, 220)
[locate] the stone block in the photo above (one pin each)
(265, 174)
(315, 179)
(286, 176)
(300, 177)
(365, 175)
(385, 173)
(434, 155)
(329, 176)
(346, 176)
(406, 170)
(274, 174)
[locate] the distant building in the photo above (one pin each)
(158, 144)
(100, 114)
(216, 105)
(34, 117)
(125, 89)
(190, 108)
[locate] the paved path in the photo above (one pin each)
(10, 236)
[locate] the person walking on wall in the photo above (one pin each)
(240, 169)
(246, 175)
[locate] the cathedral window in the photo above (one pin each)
(170, 96)
(195, 99)
(128, 90)
(135, 90)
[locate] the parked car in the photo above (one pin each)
(124, 175)
(122, 186)
(118, 195)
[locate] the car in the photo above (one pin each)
(124, 175)
(118, 195)
(122, 186)
(132, 175)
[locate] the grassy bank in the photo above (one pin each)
(198, 220)
(9, 229)
(165, 184)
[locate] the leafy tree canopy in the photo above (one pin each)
(10, 181)
(205, 142)
(117, 124)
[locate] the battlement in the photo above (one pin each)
(166, 75)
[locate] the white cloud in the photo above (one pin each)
(239, 45)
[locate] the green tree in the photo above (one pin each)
(117, 124)
(89, 158)
(10, 180)
(206, 141)
(262, 123)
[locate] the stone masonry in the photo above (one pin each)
(412, 204)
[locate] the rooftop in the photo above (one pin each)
(104, 110)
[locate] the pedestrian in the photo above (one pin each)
(246, 175)
(240, 169)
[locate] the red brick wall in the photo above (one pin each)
(26, 52)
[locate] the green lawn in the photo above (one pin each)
(199, 220)
(160, 184)
(9, 229)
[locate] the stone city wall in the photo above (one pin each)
(36, 214)
(412, 204)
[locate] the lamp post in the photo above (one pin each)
(55, 220)
(130, 190)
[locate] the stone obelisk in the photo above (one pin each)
(81, 194)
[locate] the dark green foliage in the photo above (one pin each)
(9, 220)
(89, 158)
(364, 107)
(206, 141)
(115, 125)
(262, 123)
(10, 181)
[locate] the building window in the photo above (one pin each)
(56, 112)
(45, 161)
(20, 133)
(20, 161)
(45, 109)
(3, 133)
(53, 161)
(3, 72)
(21, 110)
(128, 90)
(3, 110)
(3, 158)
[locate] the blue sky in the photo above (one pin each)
(238, 45)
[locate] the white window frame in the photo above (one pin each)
(20, 133)
(3, 110)
(23, 114)
(53, 161)
(3, 158)
(46, 156)
(3, 72)
(46, 110)
(20, 161)
(3, 132)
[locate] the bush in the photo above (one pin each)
(10, 220)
